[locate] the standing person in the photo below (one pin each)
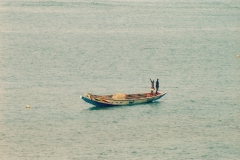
(152, 87)
(157, 86)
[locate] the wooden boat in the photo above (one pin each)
(119, 99)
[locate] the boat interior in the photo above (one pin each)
(128, 96)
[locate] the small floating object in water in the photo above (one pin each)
(140, 48)
(237, 56)
(27, 106)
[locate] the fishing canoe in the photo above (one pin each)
(121, 99)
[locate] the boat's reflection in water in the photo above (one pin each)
(153, 104)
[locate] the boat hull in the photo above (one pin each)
(107, 102)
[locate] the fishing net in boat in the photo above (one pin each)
(119, 96)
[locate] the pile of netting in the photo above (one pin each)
(119, 96)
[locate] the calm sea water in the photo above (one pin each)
(54, 51)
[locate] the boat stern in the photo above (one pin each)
(88, 98)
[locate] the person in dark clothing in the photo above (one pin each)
(152, 87)
(157, 86)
